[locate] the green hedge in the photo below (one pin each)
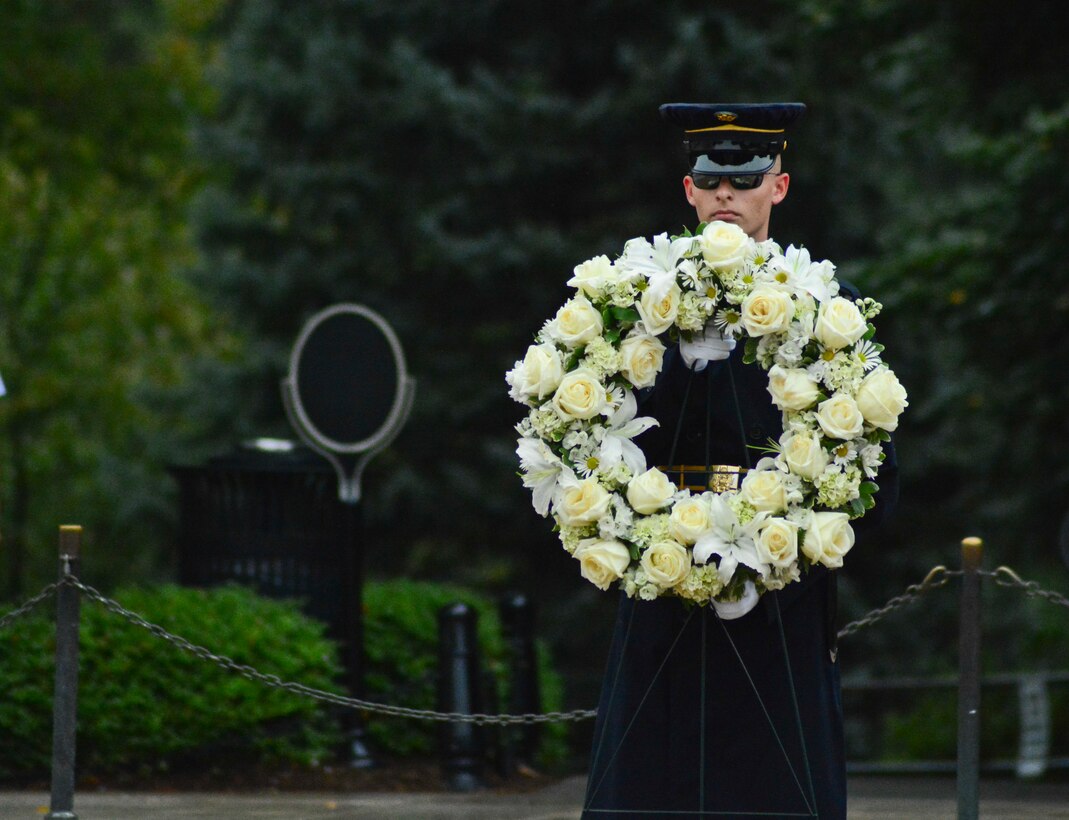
(144, 705)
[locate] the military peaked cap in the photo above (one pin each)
(733, 138)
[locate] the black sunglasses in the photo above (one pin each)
(741, 182)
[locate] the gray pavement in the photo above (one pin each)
(870, 798)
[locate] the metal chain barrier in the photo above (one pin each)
(15, 614)
(936, 577)
(319, 694)
(1006, 577)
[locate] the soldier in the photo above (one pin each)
(733, 711)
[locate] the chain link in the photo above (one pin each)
(15, 614)
(1006, 577)
(319, 694)
(936, 577)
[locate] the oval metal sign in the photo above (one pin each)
(347, 392)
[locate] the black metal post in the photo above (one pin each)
(500, 748)
(969, 682)
(352, 614)
(462, 744)
(65, 698)
(525, 698)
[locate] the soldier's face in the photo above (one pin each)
(750, 209)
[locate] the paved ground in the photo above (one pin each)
(870, 798)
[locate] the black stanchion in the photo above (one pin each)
(498, 737)
(462, 744)
(65, 699)
(517, 614)
(969, 682)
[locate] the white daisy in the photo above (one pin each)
(867, 354)
(844, 453)
(728, 321)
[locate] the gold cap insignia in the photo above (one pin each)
(726, 116)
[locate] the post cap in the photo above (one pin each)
(972, 551)
(70, 540)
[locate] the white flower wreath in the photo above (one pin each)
(629, 524)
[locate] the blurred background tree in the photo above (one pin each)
(98, 324)
(448, 165)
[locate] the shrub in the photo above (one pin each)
(145, 705)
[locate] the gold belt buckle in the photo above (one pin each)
(724, 478)
(720, 478)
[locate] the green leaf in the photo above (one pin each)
(625, 315)
(749, 356)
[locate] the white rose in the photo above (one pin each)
(580, 395)
(577, 322)
(593, 275)
(840, 418)
(583, 503)
(804, 455)
(723, 245)
(641, 356)
(777, 542)
(666, 563)
(828, 537)
(839, 323)
(602, 562)
(649, 491)
(764, 490)
(540, 372)
(766, 310)
(881, 399)
(792, 388)
(689, 519)
(659, 314)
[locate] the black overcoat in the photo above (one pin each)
(697, 715)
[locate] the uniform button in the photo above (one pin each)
(757, 433)
(694, 436)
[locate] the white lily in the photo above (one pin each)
(541, 470)
(621, 427)
(802, 275)
(731, 540)
(657, 262)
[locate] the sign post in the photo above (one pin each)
(347, 395)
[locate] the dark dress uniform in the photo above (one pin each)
(702, 717)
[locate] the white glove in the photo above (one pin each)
(709, 346)
(730, 610)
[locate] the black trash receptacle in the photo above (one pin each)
(269, 517)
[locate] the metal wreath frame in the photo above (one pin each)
(349, 487)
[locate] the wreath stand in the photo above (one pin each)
(705, 613)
